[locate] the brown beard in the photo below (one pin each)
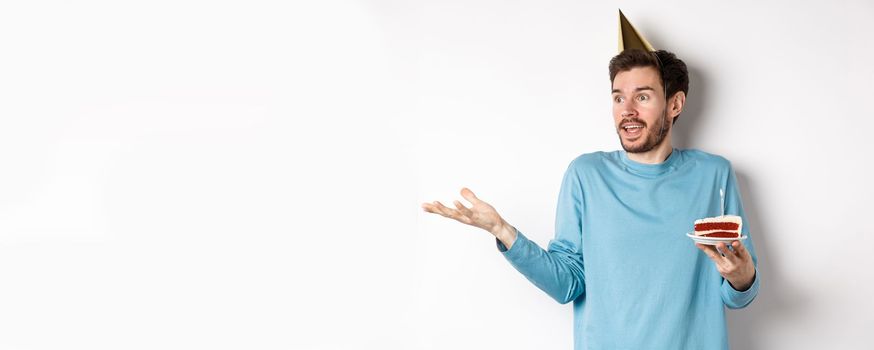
(652, 139)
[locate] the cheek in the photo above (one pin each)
(651, 112)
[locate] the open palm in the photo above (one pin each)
(480, 214)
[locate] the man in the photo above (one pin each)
(620, 251)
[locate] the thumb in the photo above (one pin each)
(468, 194)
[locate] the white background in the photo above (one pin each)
(248, 175)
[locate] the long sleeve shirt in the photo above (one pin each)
(621, 253)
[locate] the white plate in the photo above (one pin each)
(713, 240)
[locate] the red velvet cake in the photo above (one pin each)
(726, 226)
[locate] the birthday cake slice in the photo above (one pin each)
(726, 226)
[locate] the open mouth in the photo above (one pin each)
(632, 129)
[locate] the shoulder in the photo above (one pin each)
(593, 164)
(707, 159)
(593, 160)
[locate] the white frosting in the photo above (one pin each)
(724, 218)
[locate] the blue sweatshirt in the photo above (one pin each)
(621, 253)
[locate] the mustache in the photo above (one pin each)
(631, 120)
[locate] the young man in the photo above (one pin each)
(620, 251)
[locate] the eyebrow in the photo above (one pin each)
(638, 89)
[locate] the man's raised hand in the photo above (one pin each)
(480, 214)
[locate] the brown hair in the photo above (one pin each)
(672, 70)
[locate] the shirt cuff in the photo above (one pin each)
(736, 299)
(503, 249)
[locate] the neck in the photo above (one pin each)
(656, 155)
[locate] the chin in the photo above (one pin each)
(637, 146)
(632, 146)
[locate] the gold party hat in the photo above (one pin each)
(629, 38)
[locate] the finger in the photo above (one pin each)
(739, 248)
(427, 207)
(441, 209)
(711, 252)
(742, 253)
(721, 248)
(469, 196)
(447, 210)
(729, 254)
(431, 208)
(464, 210)
(451, 213)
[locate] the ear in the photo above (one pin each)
(676, 104)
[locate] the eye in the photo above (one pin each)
(642, 98)
(617, 99)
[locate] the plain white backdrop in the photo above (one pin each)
(248, 175)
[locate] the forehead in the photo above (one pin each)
(637, 77)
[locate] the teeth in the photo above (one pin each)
(633, 127)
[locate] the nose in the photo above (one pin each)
(627, 110)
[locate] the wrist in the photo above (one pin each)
(505, 233)
(743, 285)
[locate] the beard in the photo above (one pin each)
(653, 137)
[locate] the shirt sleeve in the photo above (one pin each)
(733, 298)
(559, 270)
